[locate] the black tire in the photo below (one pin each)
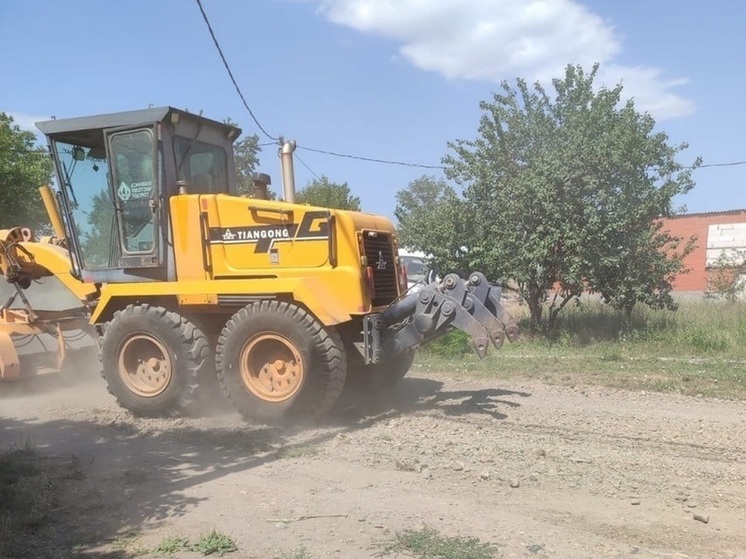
(178, 357)
(276, 363)
(378, 378)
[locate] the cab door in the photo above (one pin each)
(134, 166)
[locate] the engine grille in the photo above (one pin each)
(378, 248)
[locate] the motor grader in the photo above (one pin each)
(185, 279)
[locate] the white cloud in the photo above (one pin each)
(650, 90)
(26, 121)
(494, 40)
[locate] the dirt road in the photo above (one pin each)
(538, 470)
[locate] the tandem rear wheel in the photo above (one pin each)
(278, 364)
(153, 360)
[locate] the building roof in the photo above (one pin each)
(702, 214)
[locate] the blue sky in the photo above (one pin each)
(386, 79)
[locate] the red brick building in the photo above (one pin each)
(716, 232)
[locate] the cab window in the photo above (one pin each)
(204, 167)
(134, 181)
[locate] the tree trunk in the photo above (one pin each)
(555, 309)
(628, 308)
(535, 305)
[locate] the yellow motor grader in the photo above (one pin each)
(185, 279)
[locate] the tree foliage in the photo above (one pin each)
(327, 194)
(430, 218)
(100, 241)
(726, 280)
(246, 158)
(564, 192)
(23, 169)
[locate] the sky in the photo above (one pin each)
(394, 80)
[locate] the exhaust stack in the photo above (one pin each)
(288, 171)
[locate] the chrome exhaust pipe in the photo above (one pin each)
(288, 171)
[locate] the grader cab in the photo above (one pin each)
(185, 278)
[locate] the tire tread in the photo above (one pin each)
(191, 340)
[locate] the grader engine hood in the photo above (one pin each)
(258, 234)
(352, 253)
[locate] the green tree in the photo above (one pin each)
(246, 158)
(23, 169)
(430, 218)
(327, 194)
(100, 241)
(726, 280)
(563, 192)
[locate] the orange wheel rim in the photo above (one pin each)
(271, 367)
(144, 365)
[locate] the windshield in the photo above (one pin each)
(85, 179)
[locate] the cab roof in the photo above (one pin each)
(79, 128)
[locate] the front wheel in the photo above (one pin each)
(277, 363)
(153, 360)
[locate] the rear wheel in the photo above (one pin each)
(153, 360)
(276, 363)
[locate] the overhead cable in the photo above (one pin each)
(731, 164)
(230, 73)
(306, 166)
(371, 159)
(346, 155)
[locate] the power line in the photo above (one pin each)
(334, 153)
(45, 153)
(306, 166)
(230, 73)
(731, 164)
(246, 105)
(326, 152)
(371, 159)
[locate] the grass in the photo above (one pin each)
(130, 543)
(698, 349)
(171, 545)
(214, 542)
(429, 544)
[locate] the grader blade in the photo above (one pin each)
(43, 312)
(41, 342)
